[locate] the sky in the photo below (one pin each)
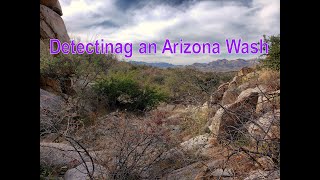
(136, 21)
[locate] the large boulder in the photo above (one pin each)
(218, 94)
(268, 102)
(215, 121)
(215, 174)
(266, 127)
(229, 96)
(214, 110)
(81, 172)
(260, 174)
(223, 86)
(52, 25)
(50, 84)
(200, 170)
(243, 86)
(250, 76)
(232, 117)
(59, 155)
(50, 108)
(245, 70)
(246, 93)
(236, 81)
(52, 4)
(196, 143)
(57, 85)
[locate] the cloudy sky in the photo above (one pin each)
(135, 21)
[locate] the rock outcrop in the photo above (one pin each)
(229, 118)
(239, 101)
(59, 154)
(268, 101)
(200, 171)
(232, 92)
(52, 4)
(245, 70)
(57, 85)
(229, 96)
(50, 84)
(81, 172)
(50, 108)
(218, 94)
(266, 127)
(249, 113)
(51, 24)
(260, 174)
(196, 144)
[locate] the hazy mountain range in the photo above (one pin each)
(154, 64)
(217, 65)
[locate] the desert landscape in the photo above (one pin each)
(105, 118)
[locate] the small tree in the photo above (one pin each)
(272, 61)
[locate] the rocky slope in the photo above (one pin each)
(247, 112)
(252, 110)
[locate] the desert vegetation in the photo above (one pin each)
(103, 118)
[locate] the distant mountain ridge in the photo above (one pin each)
(224, 65)
(154, 64)
(217, 65)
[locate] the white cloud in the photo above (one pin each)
(203, 21)
(72, 7)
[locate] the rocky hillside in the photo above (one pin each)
(242, 139)
(224, 65)
(239, 140)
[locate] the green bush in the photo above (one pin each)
(272, 61)
(66, 65)
(123, 92)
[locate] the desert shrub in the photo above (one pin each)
(134, 149)
(122, 91)
(71, 72)
(75, 65)
(272, 61)
(48, 173)
(54, 65)
(159, 79)
(59, 67)
(45, 56)
(190, 86)
(194, 121)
